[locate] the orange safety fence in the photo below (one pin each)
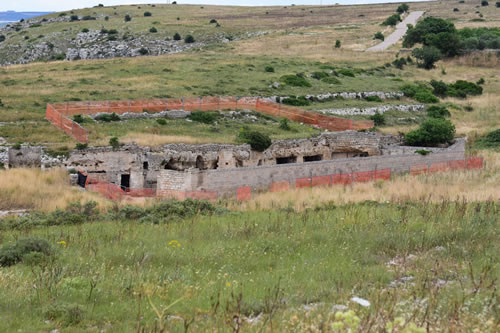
(59, 114)
(116, 192)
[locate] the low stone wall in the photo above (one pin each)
(241, 183)
(370, 111)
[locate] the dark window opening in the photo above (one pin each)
(286, 160)
(259, 163)
(125, 182)
(82, 179)
(313, 158)
(199, 163)
(145, 165)
(362, 154)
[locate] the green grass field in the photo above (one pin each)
(434, 265)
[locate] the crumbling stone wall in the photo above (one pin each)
(138, 167)
(25, 156)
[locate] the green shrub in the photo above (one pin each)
(153, 30)
(491, 140)
(2, 38)
(78, 118)
(497, 4)
(114, 142)
(213, 21)
(392, 20)
(269, 69)
(147, 14)
(331, 80)
(422, 152)
(319, 75)
(480, 81)
(81, 146)
(59, 56)
(379, 35)
(74, 18)
(462, 88)
(128, 18)
(11, 254)
(285, 124)
(88, 18)
(439, 88)
(378, 119)
(177, 36)
(423, 96)
(484, 3)
(438, 111)
(204, 117)
(399, 63)
(257, 140)
(161, 122)
(373, 99)
(295, 81)
(411, 90)
(143, 51)
(189, 39)
(403, 8)
(85, 30)
(431, 132)
(338, 44)
(108, 117)
(296, 101)
(346, 72)
(428, 56)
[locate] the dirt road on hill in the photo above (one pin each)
(401, 29)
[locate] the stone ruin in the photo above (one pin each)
(132, 166)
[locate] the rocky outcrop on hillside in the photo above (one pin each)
(68, 44)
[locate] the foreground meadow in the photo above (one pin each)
(193, 267)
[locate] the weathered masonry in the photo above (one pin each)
(139, 167)
(216, 171)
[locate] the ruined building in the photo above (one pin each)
(211, 171)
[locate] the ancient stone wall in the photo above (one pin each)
(227, 183)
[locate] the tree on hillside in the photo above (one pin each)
(427, 56)
(435, 32)
(403, 8)
(425, 28)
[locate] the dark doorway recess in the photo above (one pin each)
(313, 158)
(286, 160)
(125, 182)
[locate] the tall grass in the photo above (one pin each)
(467, 185)
(40, 190)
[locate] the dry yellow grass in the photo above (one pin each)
(144, 139)
(472, 185)
(41, 190)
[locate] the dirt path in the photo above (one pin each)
(401, 29)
